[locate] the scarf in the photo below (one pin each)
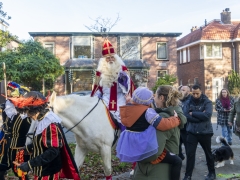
(225, 102)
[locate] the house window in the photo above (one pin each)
(130, 47)
(180, 54)
(184, 56)
(49, 46)
(82, 47)
(161, 73)
(211, 50)
(162, 51)
(188, 55)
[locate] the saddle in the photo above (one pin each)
(116, 128)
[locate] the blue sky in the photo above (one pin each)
(136, 15)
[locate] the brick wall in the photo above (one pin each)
(149, 54)
(215, 68)
(207, 69)
(193, 69)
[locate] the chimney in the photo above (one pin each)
(193, 28)
(226, 16)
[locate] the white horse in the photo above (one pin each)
(93, 130)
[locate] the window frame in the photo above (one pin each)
(203, 52)
(76, 44)
(138, 47)
(161, 70)
(188, 55)
(184, 56)
(53, 43)
(166, 45)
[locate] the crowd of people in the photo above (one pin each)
(154, 126)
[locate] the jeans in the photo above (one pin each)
(205, 141)
(227, 133)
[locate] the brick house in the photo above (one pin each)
(148, 56)
(208, 54)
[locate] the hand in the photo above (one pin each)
(229, 123)
(175, 114)
(24, 166)
(128, 98)
(190, 113)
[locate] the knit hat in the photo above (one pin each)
(107, 48)
(143, 95)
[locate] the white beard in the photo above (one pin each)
(109, 73)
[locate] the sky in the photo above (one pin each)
(135, 15)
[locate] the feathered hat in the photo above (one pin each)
(107, 48)
(14, 87)
(30, 100)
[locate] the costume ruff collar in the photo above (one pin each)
(48, 119)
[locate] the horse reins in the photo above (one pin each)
(83, 117)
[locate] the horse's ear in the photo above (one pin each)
(52, 97)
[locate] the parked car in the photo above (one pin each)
(82, 93)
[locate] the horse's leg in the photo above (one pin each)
(106, 157)
(80, 153)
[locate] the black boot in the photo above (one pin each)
(211, 176)
(2, 175)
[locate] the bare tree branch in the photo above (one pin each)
(3, 15)
(102, 24)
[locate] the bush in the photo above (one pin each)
(168, 79)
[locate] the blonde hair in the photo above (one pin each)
(171, 95)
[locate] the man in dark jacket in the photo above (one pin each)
(185, 90)
(198, 111)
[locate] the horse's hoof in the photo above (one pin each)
(132, 172)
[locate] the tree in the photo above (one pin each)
(168, 79)
(234, 83)
(5, 36)
(103, 24)
(30, 63)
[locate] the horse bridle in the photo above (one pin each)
(82, 118)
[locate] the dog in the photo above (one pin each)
(222, 153)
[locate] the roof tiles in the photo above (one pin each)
(215, 30)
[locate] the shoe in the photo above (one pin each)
(187, 178)
(181, 156)
(211, 176)
(230, 143)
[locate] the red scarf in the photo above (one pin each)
(225, 102)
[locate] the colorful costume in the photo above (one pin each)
(112, 87)
(51, 156)
(139, 140)
(15, 128)
(150, 168)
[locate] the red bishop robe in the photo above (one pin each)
(113, 90)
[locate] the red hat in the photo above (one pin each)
(107, 48)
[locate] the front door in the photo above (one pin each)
(217, 85)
